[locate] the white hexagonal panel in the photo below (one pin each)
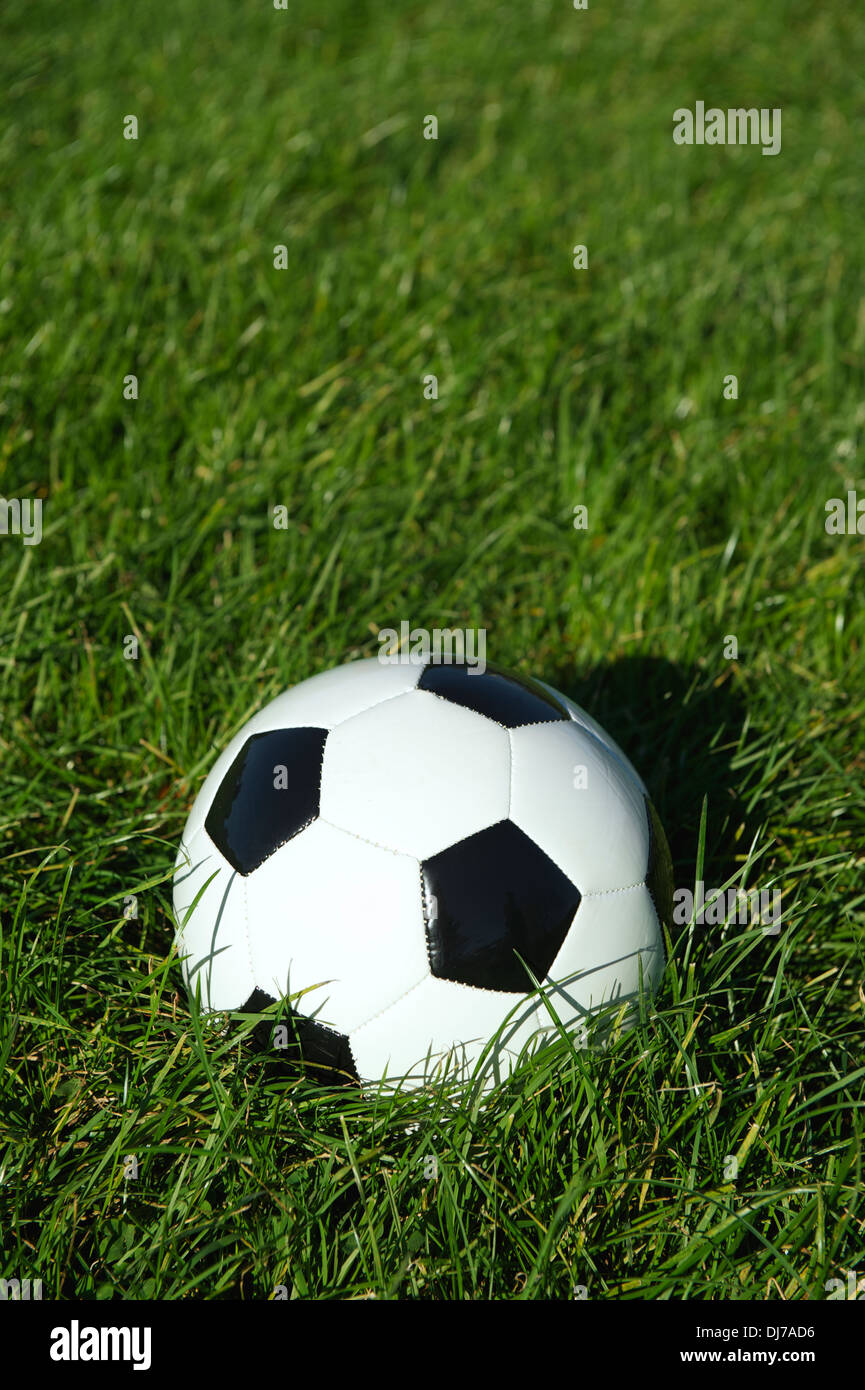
(578, 714)
(598, 834)
(340, 919)
(413, 1040)
(321, 702)
(212, 930)
(613, 935)
(416, 774)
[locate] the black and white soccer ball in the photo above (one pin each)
(389, 846)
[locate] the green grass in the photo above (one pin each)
(608, 1168)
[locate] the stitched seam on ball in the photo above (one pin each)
(536, 723)
(372, 1018)
(320, 778)
(347, 1037)
(508, 728)
(605, 892)
(403, 854)
(287, 841)
(502, 820)
(513, 994)
(366, 710)
(425, 916)
(246, 931)
(479, 712)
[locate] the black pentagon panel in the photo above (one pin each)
(659, 873)
(510, 699)
(488, 897)
(323, 1050)
(253, 813)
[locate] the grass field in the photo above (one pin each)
(715, 1151)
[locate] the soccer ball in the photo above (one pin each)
(389, 846)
